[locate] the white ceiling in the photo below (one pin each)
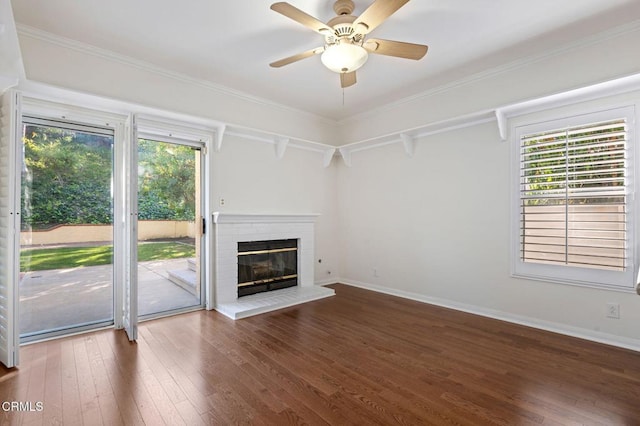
(231, 43)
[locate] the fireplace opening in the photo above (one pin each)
(267, 265)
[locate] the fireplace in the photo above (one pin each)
(267, 265)
(230, 234)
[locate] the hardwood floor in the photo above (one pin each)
(356, 358)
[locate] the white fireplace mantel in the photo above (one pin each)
(232, 228)
(219, 217)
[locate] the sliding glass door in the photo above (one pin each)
(110, 225)
(66, 228)
(169, 228)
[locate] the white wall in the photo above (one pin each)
(251, 179)
(436, 228)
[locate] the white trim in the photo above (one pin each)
(85, 48)
(281, 147)
(502, 69)
(345, 153)
(501, 115)
(219, 137)
(501, 119)
(151, 127)
(65, 111)
(416, 133)
(219, 217)
(64, 100)
(271, 138)
(554, 327)
(409, 144)
(27, 31)
(326, 282)
(328, 156)
(606, 89)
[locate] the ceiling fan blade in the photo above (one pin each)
(296, 58)
(376, 14)
(301, 17)
(347, 79)
(399, 49)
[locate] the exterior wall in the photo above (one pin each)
(71, 234)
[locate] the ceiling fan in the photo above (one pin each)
(346, 47)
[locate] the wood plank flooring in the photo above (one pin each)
(356, 358)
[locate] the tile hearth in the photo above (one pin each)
(266, 302)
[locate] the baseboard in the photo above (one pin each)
(328, 281)
(581, 333)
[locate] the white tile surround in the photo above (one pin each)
(230, 229)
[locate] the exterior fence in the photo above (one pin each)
(74, 234)
(591, 235)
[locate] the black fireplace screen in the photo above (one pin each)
(267, 265)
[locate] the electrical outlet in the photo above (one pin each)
(613, 310)
(222, 201)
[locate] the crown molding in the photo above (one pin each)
(45, 93)
(499, 70)
(601, 90)
(37, 34)
(407, 137)
(500, 115)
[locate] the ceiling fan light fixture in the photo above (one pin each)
(344, 57)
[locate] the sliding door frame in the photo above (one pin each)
(168, 131)
(119, 123)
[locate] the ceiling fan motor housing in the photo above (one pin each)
(343, 28)
(343, 7)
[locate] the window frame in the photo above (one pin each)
(575, 275)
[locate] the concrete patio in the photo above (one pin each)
(61, 298)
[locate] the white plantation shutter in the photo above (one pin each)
(130, 291)
(9, 127)
(574, 198)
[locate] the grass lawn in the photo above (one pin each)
(73, 257)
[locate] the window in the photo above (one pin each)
(574, 220)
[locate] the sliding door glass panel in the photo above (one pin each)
(169, 227)
(66, 232)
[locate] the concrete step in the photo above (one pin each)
(185, 278)
(191, 263)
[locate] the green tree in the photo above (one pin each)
(66, 177)
(166, 181)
